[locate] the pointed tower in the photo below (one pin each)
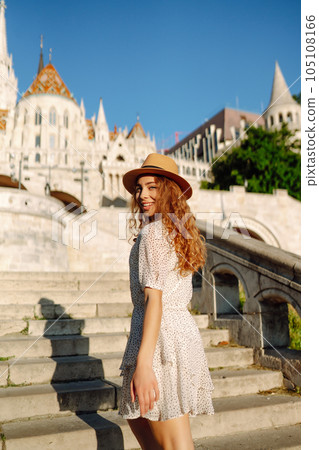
(41, 65)
(101, 129)
(282, 107)
(8, 81)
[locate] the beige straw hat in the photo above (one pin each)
(156, 164)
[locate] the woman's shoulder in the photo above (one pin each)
(155, 232)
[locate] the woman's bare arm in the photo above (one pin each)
(144, 382)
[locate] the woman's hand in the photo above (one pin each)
(144, 385)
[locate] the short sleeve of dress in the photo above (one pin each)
(154, 255)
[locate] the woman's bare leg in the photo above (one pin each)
(143, 434)
(173, 434)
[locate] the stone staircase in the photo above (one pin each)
(59, 379)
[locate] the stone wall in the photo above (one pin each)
(26, 233)
(276, 217)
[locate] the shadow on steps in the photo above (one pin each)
(85, 404)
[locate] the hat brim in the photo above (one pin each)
(129, 179)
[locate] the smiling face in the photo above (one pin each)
(146, 192)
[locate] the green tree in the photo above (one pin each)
(297, 97)
(265, 160)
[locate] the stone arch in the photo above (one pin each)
(226, 290)
(274, 324)
(256, 230)
(289, 117)
(6, 181)
(276, 295)
(67, 198)
(280, 118)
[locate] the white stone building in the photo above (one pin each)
(194, 153)
(45, 139)
(51, 155)
(282, 107)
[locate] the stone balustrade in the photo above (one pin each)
(270, 277)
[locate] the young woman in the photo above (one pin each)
(164, 367)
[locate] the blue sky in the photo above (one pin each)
(176, 63)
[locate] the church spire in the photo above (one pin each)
(280, 93)
(41, 65)
(101, 120)
(8, 81)
(3, 33)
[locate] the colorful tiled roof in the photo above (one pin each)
(89, 124)
(113, 134)
(137, 131)
(3, 119)
(48, 81)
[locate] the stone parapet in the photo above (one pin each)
(271, 279)
(26, 232)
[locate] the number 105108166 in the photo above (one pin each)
(310, 48)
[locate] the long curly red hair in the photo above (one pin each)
(170, 202)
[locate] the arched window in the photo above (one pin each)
(52, 141)
(289, 117)
(38, 117)
(297, 117)
(66, 158)
(38, 141)
(66, 119)
(194, 171)
(271, 121)
(280, 118)
(37, 157)
(52, 116)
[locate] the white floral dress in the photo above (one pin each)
(179, 361)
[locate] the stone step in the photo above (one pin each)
(76, 311)
(232, 381)
(64, 327)
(11, 326)
(213, 336)
(248, 413)
(220, 357)
(77, 368)
(63, 276)
(275, 438)
(62, 297)
(35, 400)
(73, 345)
(75, 285)
(89, 396)
(107, 430)
(78, 326)
(75, 326)
(244, 381)
(46, 399)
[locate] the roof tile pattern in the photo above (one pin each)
(137, 131)
(48, 81)
(3, 119)
(91, 134)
